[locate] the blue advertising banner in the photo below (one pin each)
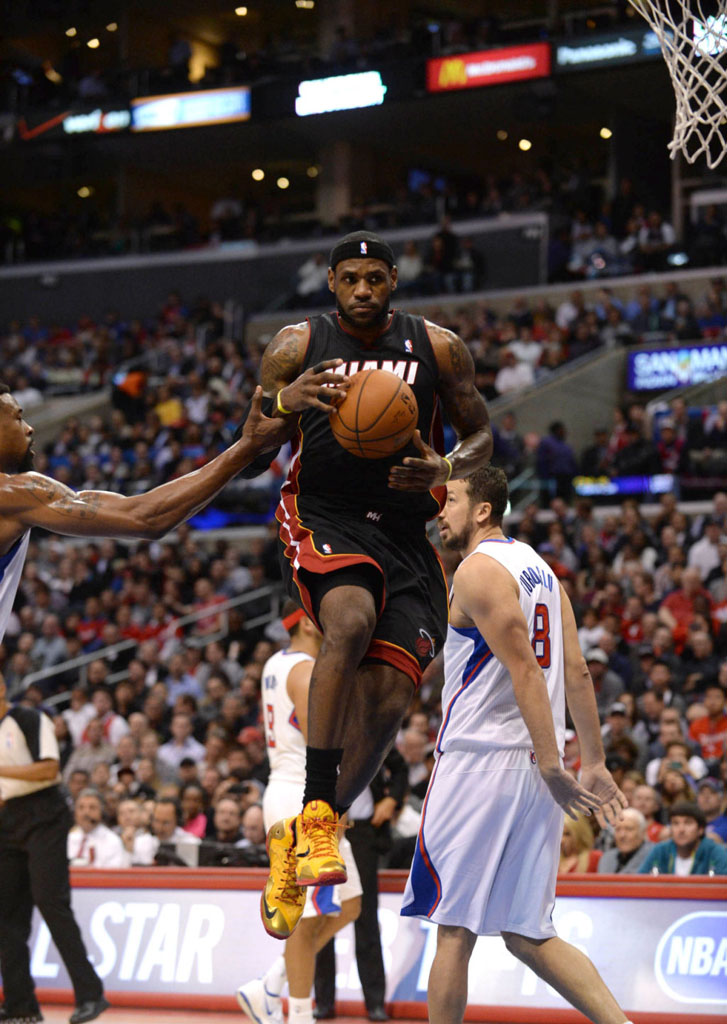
(663, 368)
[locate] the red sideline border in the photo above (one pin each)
(598, 886)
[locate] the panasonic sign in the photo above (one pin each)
(691, 959)
(605, 50)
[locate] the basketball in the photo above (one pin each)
(377, 416)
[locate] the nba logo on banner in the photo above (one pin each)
(364, 248)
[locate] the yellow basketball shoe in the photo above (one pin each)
(282, 901)
(318, 861)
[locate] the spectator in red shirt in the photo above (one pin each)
(678, 608)
(711, 731)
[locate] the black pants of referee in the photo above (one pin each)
(369, 958)
(34, 872)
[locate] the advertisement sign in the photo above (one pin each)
(97, 121)
(190, 109)
(488, 67)
(193, 947)
(664, 368)
(606, 50)
(342, 92)
(604, 486)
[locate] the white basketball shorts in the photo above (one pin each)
(283, 800)
(488, 846)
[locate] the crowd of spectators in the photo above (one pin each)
(591, 235)
(162, 746)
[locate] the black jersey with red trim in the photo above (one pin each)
(321, 467)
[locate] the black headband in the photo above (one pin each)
(361, 245)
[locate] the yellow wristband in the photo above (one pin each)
(450, 468)
(281, 407)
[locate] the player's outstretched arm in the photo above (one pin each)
(486, 592)
(282, 380)
(581, 702)
(32, 499)
(467, 413)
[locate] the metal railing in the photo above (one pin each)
(222, 610)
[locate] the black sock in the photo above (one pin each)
(321, 773)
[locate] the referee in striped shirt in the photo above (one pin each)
(34, 823)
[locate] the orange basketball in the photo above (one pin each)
(378, 415)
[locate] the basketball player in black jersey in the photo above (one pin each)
(353, 539)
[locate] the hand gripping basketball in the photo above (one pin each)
(310, 390)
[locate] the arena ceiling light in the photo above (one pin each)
(525, 145)
(502, 135)
(112, 26)
(605, 133)
(241, 12)
(84, 192)
(312, 171)
(258, 174)
(93, 44)
(283, 182)
(305, 5)
(71, 32)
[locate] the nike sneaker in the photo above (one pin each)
(318, 861)
(258, 1004)
(282, 901)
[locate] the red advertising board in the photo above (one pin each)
(488, 67)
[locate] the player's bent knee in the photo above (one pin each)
(522, 946)
(347, 625)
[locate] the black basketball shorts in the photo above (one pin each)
(317, 539)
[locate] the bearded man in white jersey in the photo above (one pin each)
(326, 909)
(34, 818)
(487, 852)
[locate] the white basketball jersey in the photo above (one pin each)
(11, 568)
(285, 743)
(480, 712)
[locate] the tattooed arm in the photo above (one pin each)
(467, 413)
(30, 499)
(280, 373)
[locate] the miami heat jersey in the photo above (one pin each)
(480, 712)
(11, 568)
(285, 743)
(320, 466)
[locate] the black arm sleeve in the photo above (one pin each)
(264, 461)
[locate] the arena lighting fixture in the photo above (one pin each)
(258, 174)
(283, 182)
(312, 171)
(605, 133)
(305, 5)
(112, 26)
(84, 192)
(502, 135)
(525, 145)
(241, 12)
(71, 32)
(93, 44)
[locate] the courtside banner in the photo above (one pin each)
(488, 67)
(187, 938)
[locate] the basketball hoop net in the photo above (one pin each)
(693, 39)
